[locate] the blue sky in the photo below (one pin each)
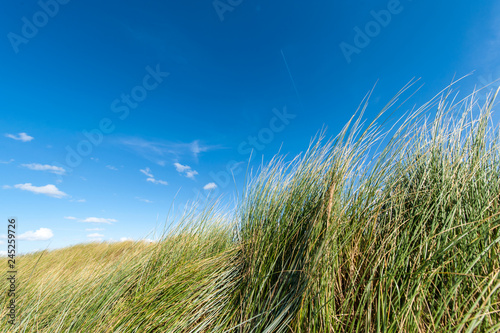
(112, 111)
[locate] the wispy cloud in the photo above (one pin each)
(94, 229)
(20, 137)
(38, 235)
(157, 181)
(95, 236)
(124, 239)
(98, 220)
(144, 200)
(151, 178)
(110, 167)
(185, 170)
(45, 167)
(147, 172)
(7, 162)
(50, 190)
(92, 220)
(210, 186)
(197, 148)
(155, 151)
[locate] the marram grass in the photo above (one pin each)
(347, 237)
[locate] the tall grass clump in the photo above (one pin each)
(380, 229)
(350, 238)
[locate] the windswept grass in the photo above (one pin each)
(347, 237)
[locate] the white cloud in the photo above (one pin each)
(94, 159)
(39, 235)
(94, 229)
(3, 253)
(50, 190)
(191, 174)
(110, 167)
(181, 168)
(45, 167)
(186, 170)
(78, 200)
(210, 186)
(156, 181)
(7, 162)
(6, 187)
(20, 137)
(70, 218)
(124, 239)
(95, 235)
(147, 172)
(2, 242)
(151, 178)
(144, 200)
(98, 220)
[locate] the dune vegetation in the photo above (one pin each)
(380, 229)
